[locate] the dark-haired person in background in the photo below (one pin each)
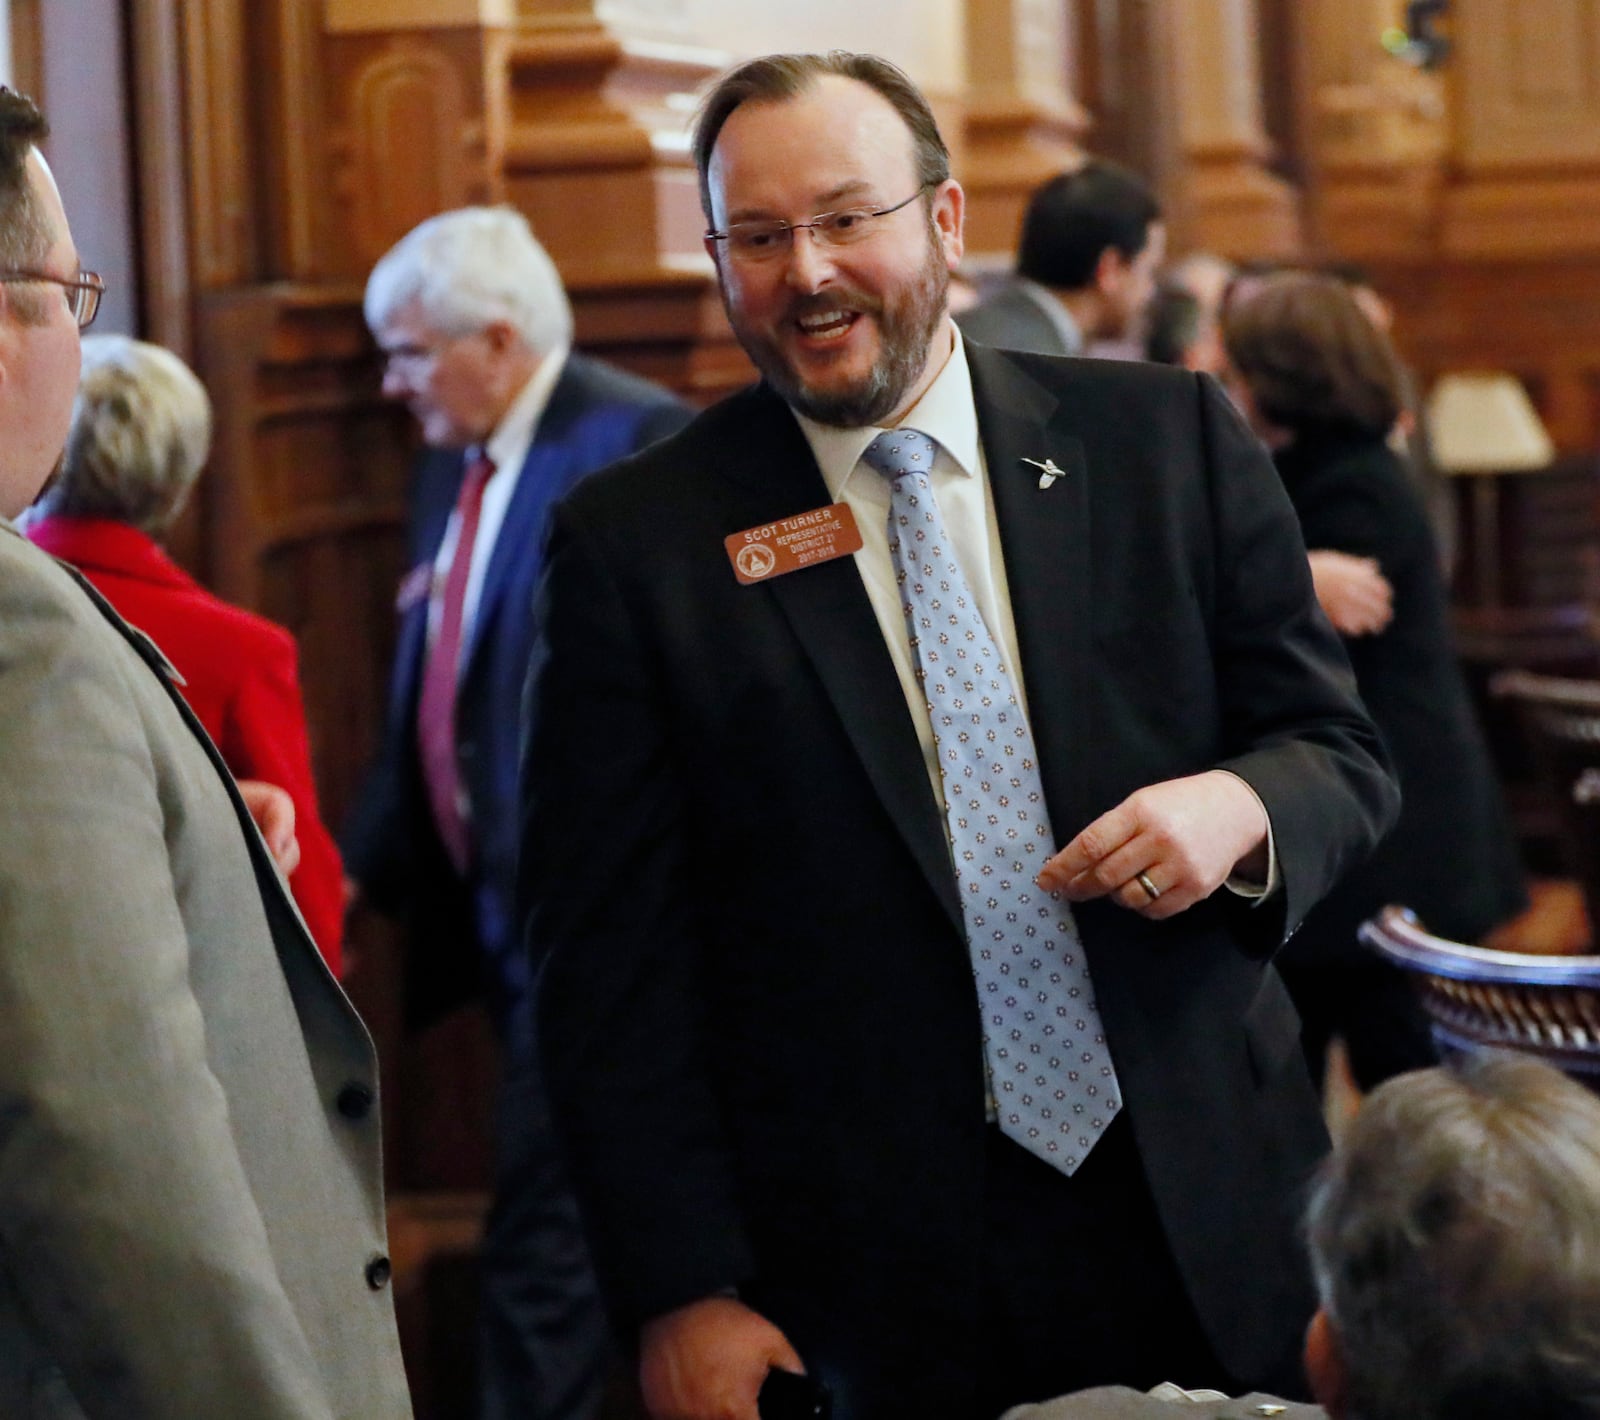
(1319, 382)
(1092, 242)
(191, 1193)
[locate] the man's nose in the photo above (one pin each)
(395, 384)
(810, 260)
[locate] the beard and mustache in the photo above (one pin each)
(907, 319)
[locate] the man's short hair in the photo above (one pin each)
(1310, 356)
(25, 233)
(141, 431)
(774, 78)
(1455, 1236)
(466, 270)
(1172, 324)
(1075, 216)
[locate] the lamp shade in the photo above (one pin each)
(1485, 423)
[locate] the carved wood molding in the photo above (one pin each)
(223, 215)
(410, 138)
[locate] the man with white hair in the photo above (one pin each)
(476, 330)
(191, 1195)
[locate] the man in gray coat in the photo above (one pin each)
(191, 1207)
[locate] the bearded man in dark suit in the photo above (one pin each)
(906, 913)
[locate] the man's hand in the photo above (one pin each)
(273, 812)
(1354, 595)
(1186, 836)
(706, 1361)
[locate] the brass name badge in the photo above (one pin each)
(786, 545)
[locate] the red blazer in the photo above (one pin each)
(241, 680)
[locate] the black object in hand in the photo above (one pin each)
(786, 1395)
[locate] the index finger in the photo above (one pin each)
(1097, 841)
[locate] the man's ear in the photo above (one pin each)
(1325, 1364)
(949, 210)
(1110, 271)
(501, 336)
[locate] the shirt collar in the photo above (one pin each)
(945, 413)
(513, 435)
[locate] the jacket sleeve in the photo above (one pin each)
(1294, 725)
(129, 1236)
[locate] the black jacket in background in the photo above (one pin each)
(1451, 858)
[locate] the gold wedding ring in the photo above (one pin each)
(1143, 879)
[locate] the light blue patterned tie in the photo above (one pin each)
(1050, 1071)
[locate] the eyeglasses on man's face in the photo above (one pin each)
(83, 291)
(753, 242)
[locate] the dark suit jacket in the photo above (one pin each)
(1451, 857)
(596, 415)
(240, 677)
(759, 1022)
(1012, 320)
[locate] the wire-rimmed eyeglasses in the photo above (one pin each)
(83, 291)
(765, 240)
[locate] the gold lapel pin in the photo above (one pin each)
(1051, 472)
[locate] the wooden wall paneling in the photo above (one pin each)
(1532, 72)
(156, 55)
(1377, 134)
(222, 157)
(668, 326)
(1127, 82)
(411, 127)
(576, 162)
(658, 86)
(1232, 204)
(306, 499)
(1538, 319)
(1022, 125)
(286, 43)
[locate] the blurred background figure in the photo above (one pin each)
(476, 332)
(1320, 384)
(1455, 1238)
(141, 433)
(1092, 242)
(1179, 331)
(1182, 322)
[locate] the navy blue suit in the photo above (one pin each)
(543, 1326)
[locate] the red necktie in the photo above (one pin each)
(436, 706)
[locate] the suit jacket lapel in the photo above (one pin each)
(828, 609)
(1045, 539)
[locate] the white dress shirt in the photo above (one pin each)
(507, 447)
(947, 414)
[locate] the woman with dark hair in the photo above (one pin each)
(1321, 385)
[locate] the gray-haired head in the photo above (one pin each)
(1455, 1237)
(141, 431)
(471, 268)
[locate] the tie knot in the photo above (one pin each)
(897, 452)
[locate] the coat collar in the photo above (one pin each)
(103, 545)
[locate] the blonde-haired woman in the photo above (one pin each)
(141, 432)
